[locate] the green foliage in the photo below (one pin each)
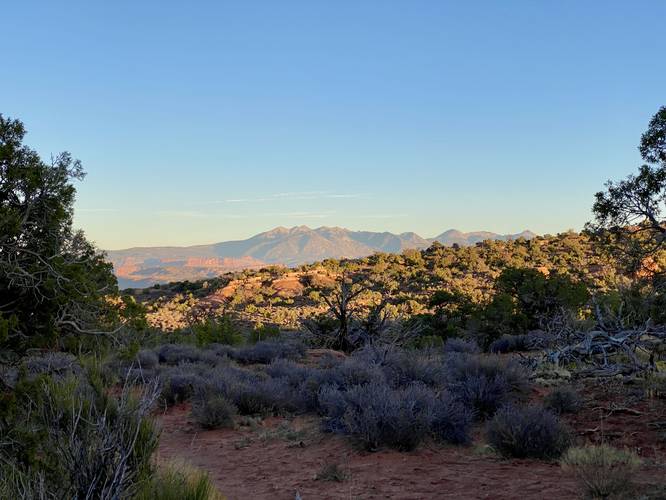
(52, 280)
(220, 330)
(212, 411)
(264, 332)
(603, 470)
(53, 425)
(179, 482)
(628, 214)
(525, 299)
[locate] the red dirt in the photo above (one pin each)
(266, 463)
(276, 468)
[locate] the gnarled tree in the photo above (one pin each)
(52, 280)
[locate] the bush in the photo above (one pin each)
(175, 354)
(54, 435)
(528, 432)
(451, 421)
(178, 385)
(213, 411)
(173, 482)
(351, 372)
(147, 359)
(220, 330)
(603, 470)
(252, 398)
(57, 364)
(563, 400)
(510, 343)
(485, 384)
(457, 345)
(264, 332)
(403, 368)
(294, 373)
(264, 352)
(378, 416)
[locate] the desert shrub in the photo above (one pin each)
(402, 368)
(51, 439)
(332, 472)
(147, 359)
(603, 470)
(264, 332)
(252, 398)
(485, 383)
(222, 330)
(563, 400)
(175, 354)
(179, 384)
(212, 411)
(351, 372)
(55, 364)
(378, 416)
(178, 482)
(510, 343)
(459, 345)
(451, 421)
(294, 373)
(221, 350)
(264, 352)
(527, 432)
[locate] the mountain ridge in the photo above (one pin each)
(144, 266)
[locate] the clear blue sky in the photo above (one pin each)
(206, 121)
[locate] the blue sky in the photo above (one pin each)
(207, 121)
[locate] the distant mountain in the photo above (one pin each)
(453, 236)
(141, 267)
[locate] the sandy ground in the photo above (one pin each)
(277, 457)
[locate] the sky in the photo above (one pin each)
(200, 122)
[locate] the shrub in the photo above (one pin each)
(147, 359)
(252, 398)
(331, 472)
(402, 368)
(175, 354)
(602, 469)
(53, 440)
(457, 345)
(378, 416)
(221, 350)
(510, 343)
(294, 373)
(178, 385)
(485, 383)
(451, 421)
(213, 411)
(57, 364)
(563, 400)
(528, 432)
(268, 350)
(351, 372)
(178, 482)
(222, 330)
(264, 332)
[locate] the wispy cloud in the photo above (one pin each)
(379, 216)
(190, 214)
(96, 210)
(293, 196)
(299, 215)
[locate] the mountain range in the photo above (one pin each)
(145, 266)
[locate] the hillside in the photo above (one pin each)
(141, 267)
